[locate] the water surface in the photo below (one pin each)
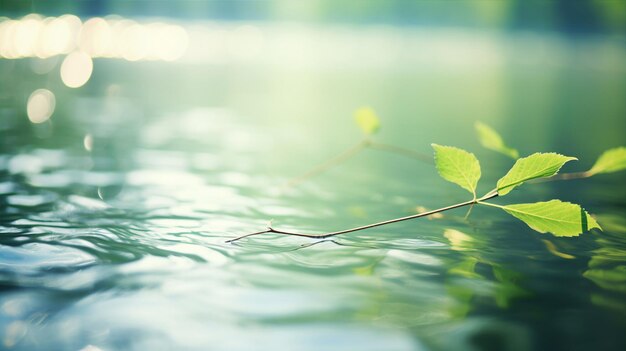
(113, 221)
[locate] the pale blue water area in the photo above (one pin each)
(116, 241)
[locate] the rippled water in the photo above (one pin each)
(116, 241)
(136, 259)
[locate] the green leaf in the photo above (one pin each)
(554, 216)
(367, 120)
(537, 165)
(491, 140)
(612, 160)
(457, 166)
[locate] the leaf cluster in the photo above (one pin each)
(612, 160)
(557, 217)
(461, 167)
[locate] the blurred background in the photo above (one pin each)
(137, 136)
(553, 69)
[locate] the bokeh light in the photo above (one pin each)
(174, 42)
(76, 69)
(88, 142)
(26, 36)
(40, 107)
(96, 37)
(111, 37)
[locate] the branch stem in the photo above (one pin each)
(488, 196)
(564, 176)
(401, 151)
(322, 167)
(352, 151)
(490, 204)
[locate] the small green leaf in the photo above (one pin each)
(491, 140)
(457, 166)
(537, 165)
(367, 120)
(612, 160)
(554, 216)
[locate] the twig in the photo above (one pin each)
(269, 229)
(353, 150)
(400, 150)
(563, 176)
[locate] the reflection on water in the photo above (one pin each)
(146, 266)
(607, 266)
(114, 220)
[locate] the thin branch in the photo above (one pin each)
(563, 176)
(322, 167)
(402, 151)
(488, 196)
(352, 151)
(492, 205)
(568, 176)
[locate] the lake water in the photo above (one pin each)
(115, 213)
